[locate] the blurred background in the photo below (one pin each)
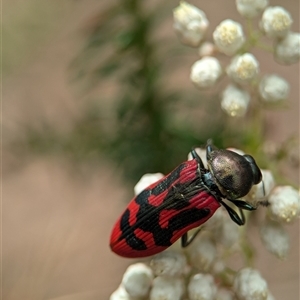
(95, 94)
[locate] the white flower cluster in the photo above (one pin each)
(283, 207)
(171, 277)
(243, 71)
(201, 270)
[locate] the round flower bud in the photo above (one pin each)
(166, 288)
(273, 88)
(229, 37)
(260, 192)
(202, 286)
(276, 22)
(218, 266)
(284, 204)
(147, 180)
(270, 296)
(168, 263)
(137, 280)
(206, 49)
(251, 8)
(202, 153)
(190, 24)
(205, 72)
(287, 50)
(202, 253)
(120, 294)
(227, 234)
(275, 238)
(224, 294)
(235, 101)
(243, 68)
(248, 285)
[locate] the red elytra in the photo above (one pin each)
(185, 199)
(163, 212)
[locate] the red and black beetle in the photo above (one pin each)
(184, 199)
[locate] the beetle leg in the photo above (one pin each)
(198, 158)
(233, 215)
(242, 204)
(185, 241)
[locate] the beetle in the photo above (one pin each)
(184, 199)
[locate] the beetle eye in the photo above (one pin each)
(257, 176)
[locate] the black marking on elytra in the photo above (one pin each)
(148, 216)
(168, 181)
(133, 241)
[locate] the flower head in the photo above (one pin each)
(207, 49)
(287, 50)
(229, 37)
(275, 238)
(202, 286)
(146, 180)
(167, 288)
(205, 72)
(284, 204)
(251, 8)
(235, 101)
(243, 68)
(137, 280)
(273, 88)
(276, 22)
(190, 24)
(202, 253)
(168, 263)
(248, 285)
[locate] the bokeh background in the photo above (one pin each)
(68, 162)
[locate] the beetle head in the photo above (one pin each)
(234, 174)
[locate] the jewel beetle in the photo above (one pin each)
(184, 199)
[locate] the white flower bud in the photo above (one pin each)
(207, 49)
(218, 266)
(202, 153)
(166, 288)
(169, 263)
(235, 101)
(227, 234)
(284, 204)
(229, 37)
(273, 88)
(147, 180)
(270, 296)
(205, 72)
(275, 238)
(287, 50)
(202, 287)
(276, 22)
(251, 8)
(216, 220)
(260, 192)
(120, 294)
(190, 24)
(137, 280)
(248, 285)
(224, 294)
(243, 68)
(202, 253)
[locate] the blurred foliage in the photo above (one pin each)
(145, 125)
